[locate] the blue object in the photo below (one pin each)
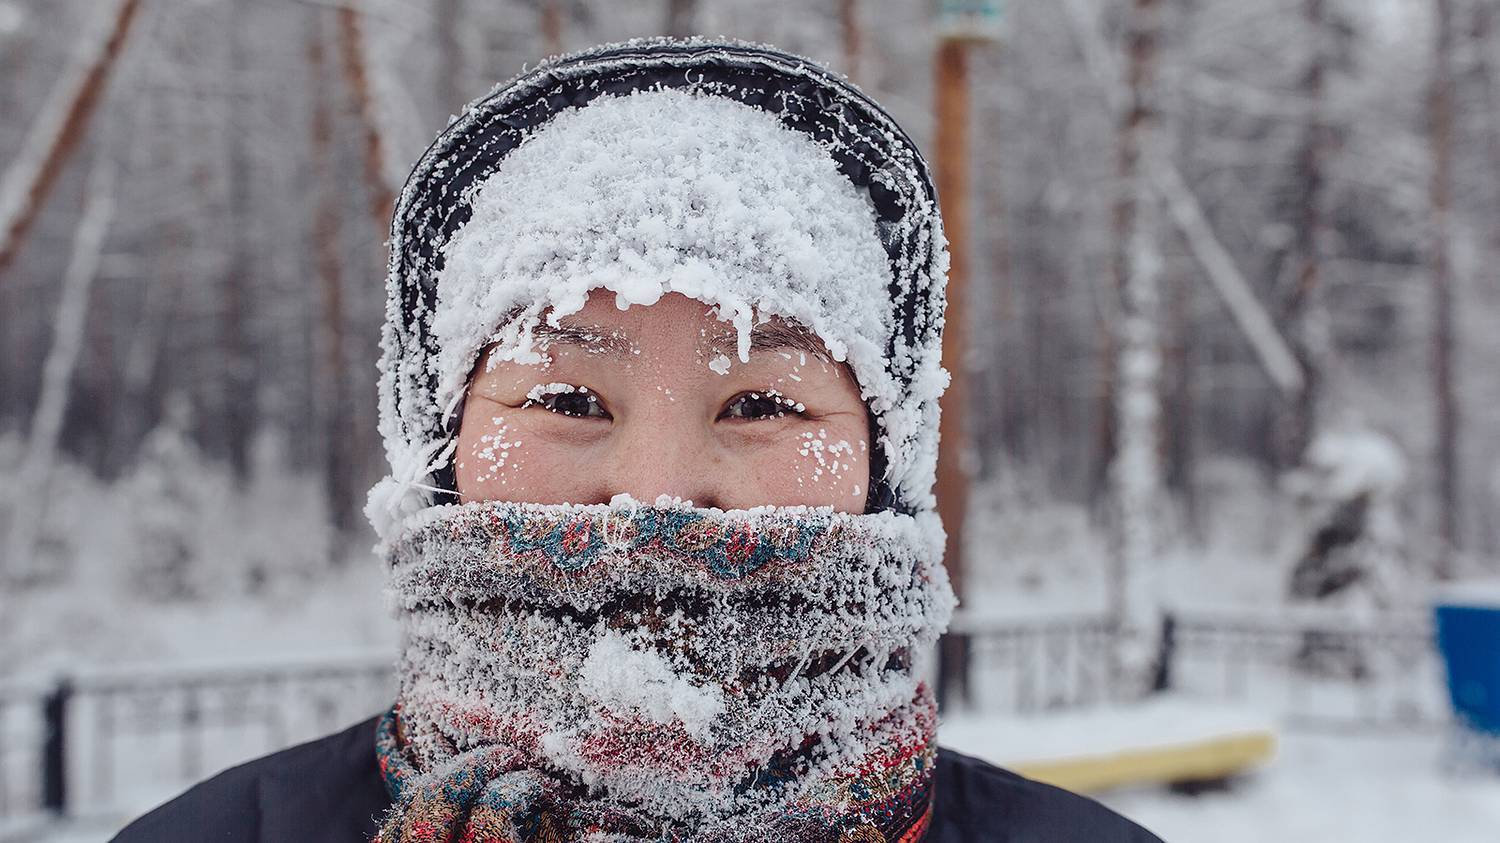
(1468, 636)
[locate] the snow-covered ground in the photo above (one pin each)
(1365, 787)
(1369, 788)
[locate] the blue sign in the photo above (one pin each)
(1469, 638)
(974, 19)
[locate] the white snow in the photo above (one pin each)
(1354, 458)
(1369, 787)
(619, 677)
(1476, 593)
(542, 390)
(1373, 788)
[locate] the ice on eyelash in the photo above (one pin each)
(542, 390)
(782, 400)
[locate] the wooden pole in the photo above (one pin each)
(552, 27)
(853, 36)
(682, 18)
(951, 164)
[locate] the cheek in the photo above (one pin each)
(489, 454)
(514, 457)
(817, 466)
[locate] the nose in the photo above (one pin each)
(664, 454)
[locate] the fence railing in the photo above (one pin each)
(1036, 665)
(1315, 669)
(118, 742)
(23, 739)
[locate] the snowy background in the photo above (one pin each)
(1256, 394)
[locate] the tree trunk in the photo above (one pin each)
(1301, 310)
(236, 396)
(335, 416)
(1445, 402)
(1179, 397)
(1483, 43)
(30, 485)
(55, 134)
(1136, 472)
(382, 195)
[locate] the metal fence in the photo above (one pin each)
(1313, 669)
(1034, 665)
(112, 743)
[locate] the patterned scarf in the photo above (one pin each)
(631, 673)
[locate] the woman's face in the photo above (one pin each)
(654, 401)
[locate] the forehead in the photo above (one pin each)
(674, 320)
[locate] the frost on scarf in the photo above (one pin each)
(664, 673)
(748, 179)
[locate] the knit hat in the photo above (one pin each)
(740, 175)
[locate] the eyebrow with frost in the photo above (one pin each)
(773, 335)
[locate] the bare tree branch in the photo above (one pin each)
(57, 130)
(1234, 290)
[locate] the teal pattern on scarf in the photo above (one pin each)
(732, 551)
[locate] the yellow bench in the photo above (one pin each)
(1210, 759)
(1154, 742)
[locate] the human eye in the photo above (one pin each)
(768, 404)
(566, 399)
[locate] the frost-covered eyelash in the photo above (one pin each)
(542, 390)
(786, 405)
(537, 397)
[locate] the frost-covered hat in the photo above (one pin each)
(754, 180)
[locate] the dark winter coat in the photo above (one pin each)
(330, 791)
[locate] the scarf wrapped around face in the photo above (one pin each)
(623, 673)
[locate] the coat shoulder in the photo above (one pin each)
(977, 802)
(282, 796)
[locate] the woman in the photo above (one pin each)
(659, 392)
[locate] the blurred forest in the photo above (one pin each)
(1218, 251)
